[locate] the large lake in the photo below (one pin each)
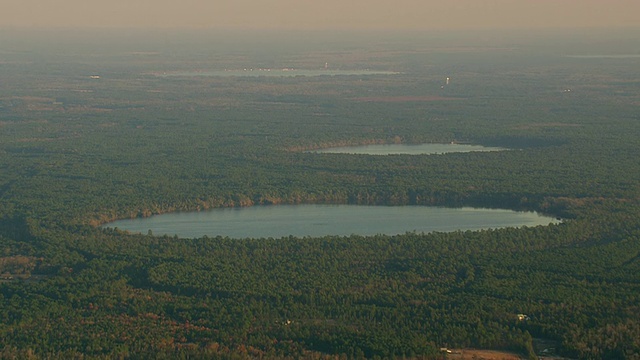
(418, 149)
(320, 220)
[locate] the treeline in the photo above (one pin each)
(111, 293)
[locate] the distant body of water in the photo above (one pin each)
(419, 149)
(274, 73)
(605, 56)
(320, 220)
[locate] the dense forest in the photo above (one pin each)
(98, 127)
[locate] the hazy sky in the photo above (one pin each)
(321, 14)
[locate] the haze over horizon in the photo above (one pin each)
(321, 15)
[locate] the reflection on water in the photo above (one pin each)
(419, 149)
(320, 220)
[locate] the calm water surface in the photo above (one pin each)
(320, 220)
(419, 149)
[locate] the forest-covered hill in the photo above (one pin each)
(94, 132)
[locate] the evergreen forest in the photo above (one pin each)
(109, 125)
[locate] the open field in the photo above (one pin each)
(471, 354)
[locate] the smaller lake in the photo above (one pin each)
(274, 73)
(418, 149)
(320, 220)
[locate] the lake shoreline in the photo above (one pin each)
(314, 220)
